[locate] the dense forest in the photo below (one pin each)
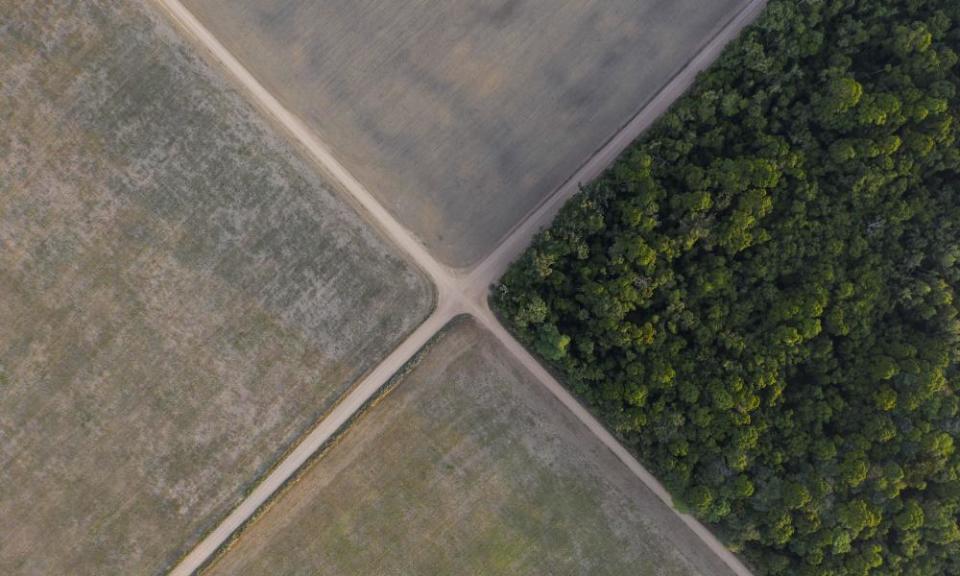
(761, 295)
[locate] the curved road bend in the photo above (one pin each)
(458, 291)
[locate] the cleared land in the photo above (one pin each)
(462, 115)
(469, 466)
(180, 296)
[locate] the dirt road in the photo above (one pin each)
(458, 291)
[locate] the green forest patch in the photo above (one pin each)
(760, 296)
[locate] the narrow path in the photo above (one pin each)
(458, 291)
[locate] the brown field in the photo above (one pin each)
(180, 296)
(468, 466)
(462, 115)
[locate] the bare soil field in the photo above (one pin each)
(468, 466)
(462, 115)
(180, 296)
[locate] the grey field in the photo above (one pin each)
(469, 466)
(180, 296)
(461, 116)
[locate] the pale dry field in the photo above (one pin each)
(180, 296)
(468, 466)
(461, 116)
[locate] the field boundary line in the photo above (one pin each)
(533, 365)
(304, 137)
(374, 400)
(508, 248)
(328, 427)
(457, 291)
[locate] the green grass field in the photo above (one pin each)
(468, 466)
(180, 296)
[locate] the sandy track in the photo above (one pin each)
(458, 291)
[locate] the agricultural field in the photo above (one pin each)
(461, 116)
(468, 466)
(180, 296)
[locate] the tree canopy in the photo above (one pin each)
(760, 296)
